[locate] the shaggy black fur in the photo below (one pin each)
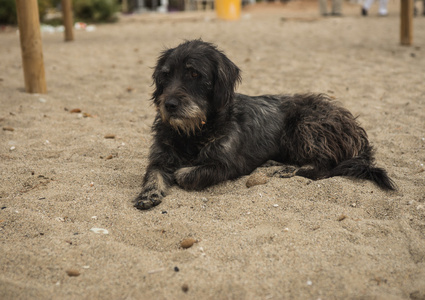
(205, 133)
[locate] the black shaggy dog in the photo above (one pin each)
(205, 133)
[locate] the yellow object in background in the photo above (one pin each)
(228, 9)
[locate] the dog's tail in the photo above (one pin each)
(359, 167)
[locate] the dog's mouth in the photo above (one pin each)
(187, 124)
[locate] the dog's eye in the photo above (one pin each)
(194, 74)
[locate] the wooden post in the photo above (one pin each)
(124, 7)
(31, 46)
(406, 22)
(67, 20)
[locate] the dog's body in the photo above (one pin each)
(204, 133)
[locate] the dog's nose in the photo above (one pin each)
(171, 104)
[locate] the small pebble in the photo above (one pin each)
(156, 271)
(99, 230)
(275, 205)
(42, 100)
(176, 269)
(72, 273)
(342, 217)
(256, 179)
(187, 243)
(185, 288)
(109, 136)
(12, 148)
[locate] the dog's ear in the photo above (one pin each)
(159, 74)
(227, 76)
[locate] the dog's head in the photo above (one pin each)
(192, 82)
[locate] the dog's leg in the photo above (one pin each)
(271, 163)
(313, 173)
(286, 172)
(163, 162)
(159, 176)
(155, 185)
(199, 177)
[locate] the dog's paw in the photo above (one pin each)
(148, 199)
(286, 172)
(184, 177)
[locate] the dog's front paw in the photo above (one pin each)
(148, 199)
(185, 178)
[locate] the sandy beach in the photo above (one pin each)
(72, 160)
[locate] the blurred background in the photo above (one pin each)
(110, 10)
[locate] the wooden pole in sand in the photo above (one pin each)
(406, 22)
(67, 20)
(124, 7)
(31, 47)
